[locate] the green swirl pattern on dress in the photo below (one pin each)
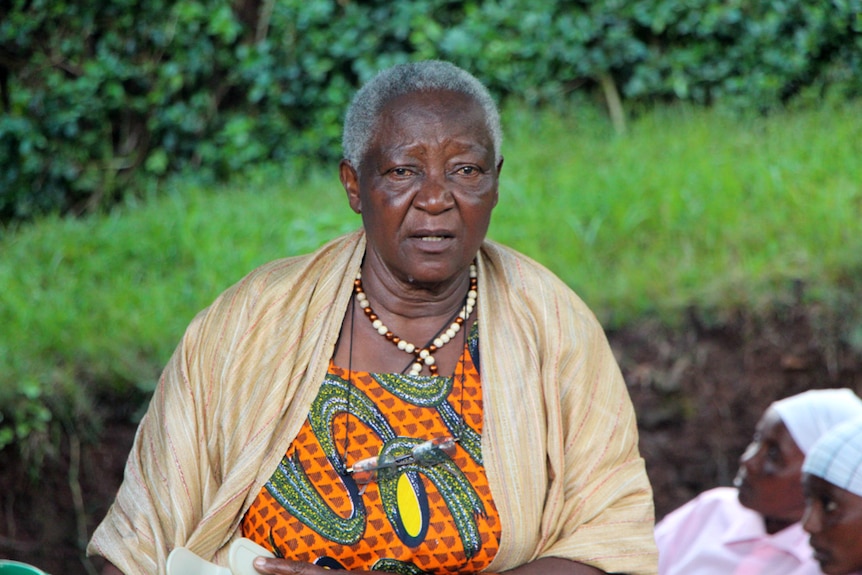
(397, 567)
(473, 347)
(432, 391)
(291, 487)
(470, 441)
(420, 390)
(454, 487)
(331, 401)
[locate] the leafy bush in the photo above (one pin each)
(95, 92)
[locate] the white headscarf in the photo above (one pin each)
(837, 457)
(810, 414)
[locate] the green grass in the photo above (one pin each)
(690, 207)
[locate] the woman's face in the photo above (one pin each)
(833, 517)
(426, 187)
(770, 472)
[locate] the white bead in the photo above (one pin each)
(442, 339)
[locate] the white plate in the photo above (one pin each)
(241, 555)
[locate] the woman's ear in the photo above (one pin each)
(350, 181)
(496, 190)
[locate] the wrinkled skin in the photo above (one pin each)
(833, 517)
(769, 479)
(425, 189)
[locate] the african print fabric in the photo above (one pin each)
(414, 518)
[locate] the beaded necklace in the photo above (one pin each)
(422, 355)
(430, 450)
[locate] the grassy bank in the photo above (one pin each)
(690, 207)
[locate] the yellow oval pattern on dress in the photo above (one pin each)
(408, 507)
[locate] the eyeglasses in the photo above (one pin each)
(428, 453)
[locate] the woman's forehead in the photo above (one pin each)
(816, 486)
(436, 106)
(450, 116)
(771, 423)
(772, 427)
(435, 98)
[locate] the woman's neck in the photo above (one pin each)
(412, 301)
(774, 525)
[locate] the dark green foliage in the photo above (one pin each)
(94, 92)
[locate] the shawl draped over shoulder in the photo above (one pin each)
(560, 442)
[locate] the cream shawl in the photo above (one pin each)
(560, 441)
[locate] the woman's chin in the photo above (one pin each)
(745, 494)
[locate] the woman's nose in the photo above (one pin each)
(750, 458)
(811, 519)
(434, 195)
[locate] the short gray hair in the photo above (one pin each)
(426, 75)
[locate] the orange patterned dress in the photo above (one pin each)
(435, 518)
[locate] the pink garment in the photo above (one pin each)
(714, 535)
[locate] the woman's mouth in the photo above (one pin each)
(432, 241)
(821, 555)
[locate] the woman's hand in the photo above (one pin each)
(110, 569)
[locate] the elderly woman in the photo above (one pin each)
(754, 528)
(832, 482)
(411, 398)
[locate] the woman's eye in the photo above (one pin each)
(829, 505)
(773, 453)
(401, 172)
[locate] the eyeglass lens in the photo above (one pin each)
(428, 453)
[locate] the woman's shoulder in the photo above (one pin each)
(332, 257)
(292, 279)
(496, 251)
(518, 268)
(713, 503)
(531, 280)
